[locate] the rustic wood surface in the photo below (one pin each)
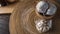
(7, 9)
(22, 19)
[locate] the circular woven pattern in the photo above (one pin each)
(22, 21)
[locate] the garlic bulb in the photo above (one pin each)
(47, 8)
(52, 10)
(43, 25)
(41, 6)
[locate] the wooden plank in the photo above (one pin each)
(7, 9)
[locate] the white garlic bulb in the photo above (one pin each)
(47, 8)
(41, 6)
(43, 26)
(52, 10)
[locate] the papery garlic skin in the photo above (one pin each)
(41, 6)
(47, 8)
(43, 26)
